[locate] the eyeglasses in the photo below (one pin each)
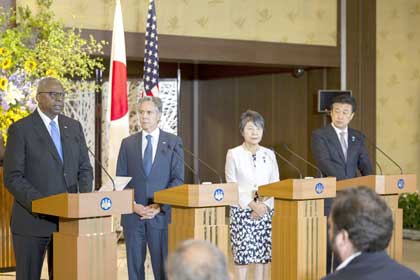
(54, 95)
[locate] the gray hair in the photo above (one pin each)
(250, 116)
(197, 260)
(156, 100)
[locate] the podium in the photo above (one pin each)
(389, 187)
(299, 227)
(198, 212)
(85, 247)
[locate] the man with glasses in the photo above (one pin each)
(339, 150)
(46, 154)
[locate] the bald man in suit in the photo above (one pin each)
(46, 154)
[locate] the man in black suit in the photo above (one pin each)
(339, 150)
(46, 154)
(360, 230)
(154, 158)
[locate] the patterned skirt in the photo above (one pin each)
(250, 239)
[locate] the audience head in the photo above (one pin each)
(50, 97)
(360, 221)
(197, 260)
(150, 112)
(251, 126)
(343, 108)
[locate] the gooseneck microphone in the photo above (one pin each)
(288, 162)
(385, 154)
(103, 168)
(183, 161)
(304, 160)
(205, 164)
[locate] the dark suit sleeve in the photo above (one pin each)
(177, 165)
(122, 169)
(363, 164)
(322, 157)
(14, 169)
(85, 172)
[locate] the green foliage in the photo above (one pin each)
(410, 203)
(42, 46)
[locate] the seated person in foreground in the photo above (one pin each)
(360, 230)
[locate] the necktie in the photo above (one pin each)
(55, 135)
(148, 155)
(343, 143)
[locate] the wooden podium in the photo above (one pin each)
(299, 237)
(389, 187)
(7, 255)
(198, 212)
(85, 247)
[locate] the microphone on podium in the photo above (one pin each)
(288, 162)
(205, 164)
(103, 168)
(385, 154)
(304, 160)
(183, 161)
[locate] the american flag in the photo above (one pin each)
(151, 54)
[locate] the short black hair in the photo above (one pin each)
(365, 216)
(345, 99)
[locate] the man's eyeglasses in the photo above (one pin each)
(54, 94)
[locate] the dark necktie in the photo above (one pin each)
(148, 155)
(55, 135)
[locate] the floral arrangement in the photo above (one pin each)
(33, 46)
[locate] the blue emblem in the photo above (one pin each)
(400, 184)
(319, 188)
(106, 203)
(219, 194)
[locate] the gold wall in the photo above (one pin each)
(398, 84)
(292, 21)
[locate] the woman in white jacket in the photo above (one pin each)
(251, 165)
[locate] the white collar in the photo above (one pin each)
(46, 120)
(154, 133)
(348, 260)
(339, 130)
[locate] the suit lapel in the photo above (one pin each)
(352, 141)
(334, 137)
(65, 141)
(43, 136)
(139, 151)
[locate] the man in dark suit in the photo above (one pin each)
(360, 230)
(339, 150)
(46, 154)
(154, 159)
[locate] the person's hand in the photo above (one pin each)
(151, 211)
(139, 209)
(254, 216)
(259, 208)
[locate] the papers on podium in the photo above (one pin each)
(120, 183)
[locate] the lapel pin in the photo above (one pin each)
(353, 139)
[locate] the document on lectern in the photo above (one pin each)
(119, 181)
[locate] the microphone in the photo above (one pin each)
(205, 164)
(183, 161)
(385, 154)
(304, 160)
(288, 162)
(103, 168)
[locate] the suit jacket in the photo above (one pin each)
(33, 169)
(329, 156)
(373, 266)
(167, 171)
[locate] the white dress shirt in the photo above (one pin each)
(46, 120)
(241, 168)
(155, 140)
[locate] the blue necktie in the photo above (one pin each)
(148, 155)
(55, 135)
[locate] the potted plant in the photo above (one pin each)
(410, 203)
